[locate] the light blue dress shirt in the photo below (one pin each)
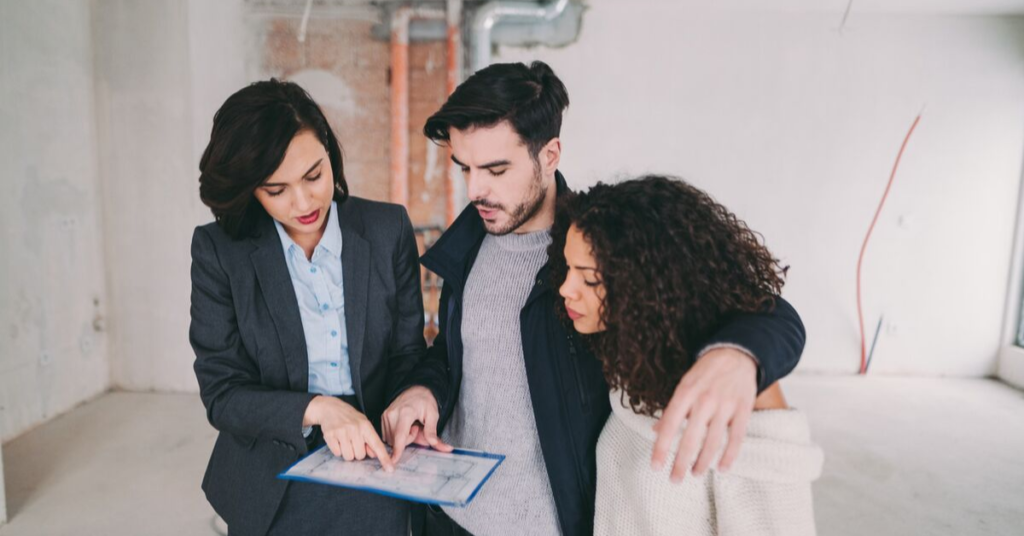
(320, 291)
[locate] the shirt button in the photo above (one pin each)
(325, 307)
(333, 364)
(312, 270)
(334, 333)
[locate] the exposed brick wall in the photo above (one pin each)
(344, 49)
(348, 72)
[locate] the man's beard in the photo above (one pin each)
(523, 212)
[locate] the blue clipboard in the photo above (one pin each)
(318, 465)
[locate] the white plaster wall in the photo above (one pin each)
(795, 127)
(3, 497)
(53, 352)
(163, 68)
(789, 123)
(220, 54)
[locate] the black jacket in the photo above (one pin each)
(250, 347)
(567, 386)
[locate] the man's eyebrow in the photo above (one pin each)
(489, 165)
(306, 174)
(496, 163)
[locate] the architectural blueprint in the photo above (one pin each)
(422, 475)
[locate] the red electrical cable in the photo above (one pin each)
(864, 247)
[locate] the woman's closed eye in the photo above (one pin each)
(314, 178)
(274, 193)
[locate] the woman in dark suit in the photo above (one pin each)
(306, 312)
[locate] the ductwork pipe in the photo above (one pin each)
(491, 13)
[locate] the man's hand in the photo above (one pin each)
(716, 395)
(412, 418)
(347, 432)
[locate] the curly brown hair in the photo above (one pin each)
(675, 266)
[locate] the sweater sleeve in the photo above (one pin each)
(774, 339)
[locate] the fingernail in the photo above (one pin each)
(676, 479)
(657, 466)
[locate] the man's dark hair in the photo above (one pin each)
(251, 132)
(531, 99)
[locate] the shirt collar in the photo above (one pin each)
(330, 241)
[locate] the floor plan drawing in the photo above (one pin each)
(422, 475)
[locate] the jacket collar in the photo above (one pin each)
(453, 254)
(278, 292)
(330, 242)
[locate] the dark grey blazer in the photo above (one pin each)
(251, 352)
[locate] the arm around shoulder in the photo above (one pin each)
(774, 338)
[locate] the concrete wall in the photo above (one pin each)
(348, 73)
(162, 69)
(3, 496)
(795, 126)
(53, 350)
(791, 123)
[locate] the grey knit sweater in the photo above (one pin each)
(494, 412)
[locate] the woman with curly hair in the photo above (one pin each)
(649, 269)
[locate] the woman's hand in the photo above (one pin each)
(347, 432)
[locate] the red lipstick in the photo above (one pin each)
(310, 218)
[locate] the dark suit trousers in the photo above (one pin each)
(438, 523)
(319, 509)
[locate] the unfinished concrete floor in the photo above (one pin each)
(903, 456)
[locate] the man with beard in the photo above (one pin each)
(506, 374)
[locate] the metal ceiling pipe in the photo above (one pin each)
(493, 12)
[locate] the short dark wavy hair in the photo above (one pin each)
(251, 133)
(675, 266)
(531, 99)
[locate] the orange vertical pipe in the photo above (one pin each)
(400, 109)
(454, 70)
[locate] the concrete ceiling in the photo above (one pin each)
(938, 7)
(945, 7)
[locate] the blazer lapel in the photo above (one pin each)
(279, 295)
(355, 269)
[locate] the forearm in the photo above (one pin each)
(430, 372)
(256, 411)
(236, 400)
(774, 339)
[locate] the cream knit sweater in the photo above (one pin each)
(767, 491)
